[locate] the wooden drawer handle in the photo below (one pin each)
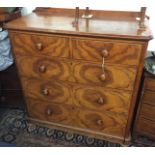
(42, 69)
(99, 122)
(49, 112)
(39, 46)
(45, 91)
(103, 77)
(100, 101)
(105, 53)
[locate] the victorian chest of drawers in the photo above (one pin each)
(145, 120)
(81, 74)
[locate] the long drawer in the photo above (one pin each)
(118, 77)
(113, 52)
(34, 45)
(93, 98)
(71, 116)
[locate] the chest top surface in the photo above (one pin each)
(114, 24)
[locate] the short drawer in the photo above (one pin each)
(103, 122)
(50, 112)
(150, 84)
(46, 90)
(149, 97)
(146, 127)
(115, 76)
(34, 44)
(101, 99)
(113, 52)
(43, 67)
(148, 111)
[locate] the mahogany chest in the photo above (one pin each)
(145, 119)
(80, 71)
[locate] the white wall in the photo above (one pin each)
(98, 5)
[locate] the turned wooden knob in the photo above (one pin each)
(100, 100)
(103, 77)
(105, 53)
(99, 122)
(39, 46)
(42, 68)
(45, 91)
(49, 111)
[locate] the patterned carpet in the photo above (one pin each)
(15, 129)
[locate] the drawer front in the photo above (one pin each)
(74, 117)
(116, 53)
(100, 99)
(47, 111)
(148, 111)
(149, 97)
(45, 68)
(29, 44)
(101, 121)
(46, 90)
(115, 76)
(150, 84)
(146, 127)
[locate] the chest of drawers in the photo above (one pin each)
(145, 120)
(80, 78)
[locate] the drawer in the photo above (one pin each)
(115, 53)
(149, 97)
(146, 127)
(74, 117)
(100, 99)
(115, 76)
(148, 111)
(48, 111)
(101, 121)
(45, 68)
(47, 90)
(150, 84)
(33, 44)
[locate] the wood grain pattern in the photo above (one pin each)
(100, 99)
(118, 53)
(53, 69)
(148, 111)
(26, 44)
(150, 84)
(146, 127)
(149, 97)
(116, 76)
